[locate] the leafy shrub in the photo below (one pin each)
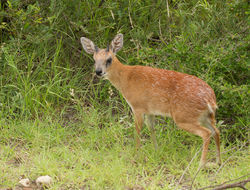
(41, 59)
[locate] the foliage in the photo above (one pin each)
(41, 59)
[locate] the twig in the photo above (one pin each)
(224, 163)
(199, 169)
(160, 27)
(189, 166)
(112, 14)
(130, 19)
(240, 184)
(169, 20)
(168, 8)
(161, 37)
(196, 174)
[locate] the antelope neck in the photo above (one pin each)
(116, 73)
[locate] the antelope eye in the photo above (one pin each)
(108, 62)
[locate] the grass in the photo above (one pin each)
(101, 155)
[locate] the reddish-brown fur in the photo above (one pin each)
(190, 101)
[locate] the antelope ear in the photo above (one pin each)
(88, 45)
(117, 43)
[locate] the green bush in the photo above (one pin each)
(41, 59)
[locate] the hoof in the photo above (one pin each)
(208, 165)
(211, 165)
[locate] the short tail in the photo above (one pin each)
(212, 108)
(211, 118)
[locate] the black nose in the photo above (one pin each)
(98, 72)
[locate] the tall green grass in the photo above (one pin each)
(42, 59)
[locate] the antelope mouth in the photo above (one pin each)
(102, 75)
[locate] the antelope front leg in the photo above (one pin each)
(150, 123)
(138, 125)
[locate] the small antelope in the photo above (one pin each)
(190, 101)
